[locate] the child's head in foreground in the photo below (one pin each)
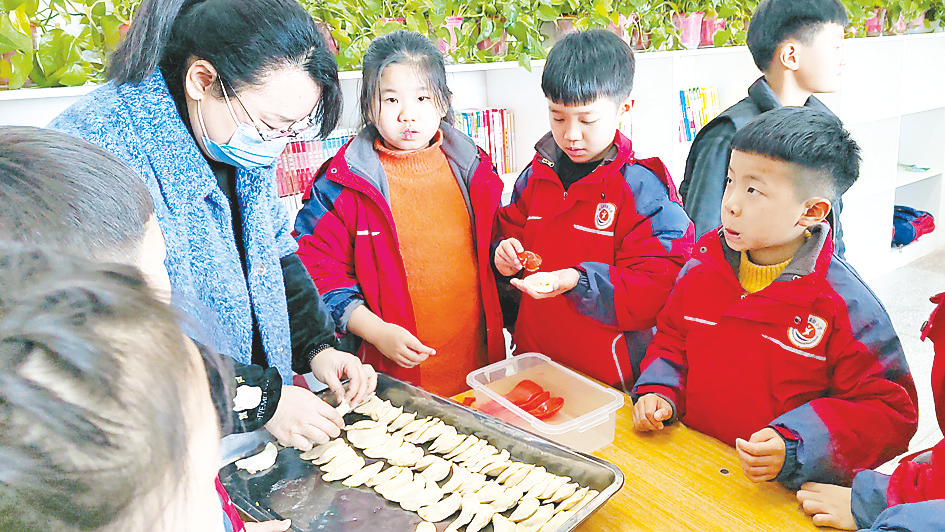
(587, 80)
(788, 167)
(803, 36)
(404, 94)
(62, 192)
(107, 422)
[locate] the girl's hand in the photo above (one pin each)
(762, 455)
(829, 505)
(567, 279)
(397, 344)
(650, 411)
(331, 365)
(268, 526)
(506, 257)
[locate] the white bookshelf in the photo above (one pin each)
(892, 100)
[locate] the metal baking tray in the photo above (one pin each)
(293, 487)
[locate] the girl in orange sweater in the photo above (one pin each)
(398, 227)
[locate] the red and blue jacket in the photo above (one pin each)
(348, 241)
(624, 229)
(813, 356)
(913, 498)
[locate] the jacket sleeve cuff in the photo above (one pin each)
(345, 316)
(341, 303)
(258, 392)
(869, 497)
(788, 474)
(593, 295)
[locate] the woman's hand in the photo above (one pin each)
(302, 419)
(331, 365)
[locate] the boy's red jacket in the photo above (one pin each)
(813, 355)
(914, 496)
(348, 242)
(623, 227)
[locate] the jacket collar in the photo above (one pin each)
(762, 95)
(812, 257)
(547, 153)
(361, 158)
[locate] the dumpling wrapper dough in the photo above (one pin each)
(525, 509)
(541, 516)
(483, 516)
(369, 405)
(469, 506)
(317, 451)
(500, 523)
(363, 475)
(441, 510)
(344, 470)
(383, 476)
(260, 461)
(426, 526)
(541, 282)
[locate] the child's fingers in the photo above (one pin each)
(762, 448)
(813, 506)
(300, 442)
(663, 413)
(826, 519)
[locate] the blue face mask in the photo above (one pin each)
(245, 149)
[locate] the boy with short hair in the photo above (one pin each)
(62, 192)
(608, 226)
(769, 342)
(797, 45)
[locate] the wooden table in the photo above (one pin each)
(676, 480)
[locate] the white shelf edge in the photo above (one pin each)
(31, 93)
(905, 178)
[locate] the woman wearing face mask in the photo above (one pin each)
(203, 97)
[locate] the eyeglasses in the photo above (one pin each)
(296, 129)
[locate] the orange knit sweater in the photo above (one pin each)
(434, 230)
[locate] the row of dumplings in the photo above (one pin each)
(483, 481)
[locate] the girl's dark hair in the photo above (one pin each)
(57, 190)
(243, 40)
(95, 384)
(404, 48)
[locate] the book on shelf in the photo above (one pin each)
(698, 106)
(493, 131)
(300, 161)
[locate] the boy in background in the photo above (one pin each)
(798, 46)
(608, 226)
(769, 342)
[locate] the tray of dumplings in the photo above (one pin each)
(411, 461)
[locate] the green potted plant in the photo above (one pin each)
(737, 14)
(59, 42)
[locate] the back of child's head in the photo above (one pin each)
(811, 139)
(96, 391)
(410, 49)
(62, 192)
(588, 65)
(776, 21)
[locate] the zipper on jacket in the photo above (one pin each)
(546, 161)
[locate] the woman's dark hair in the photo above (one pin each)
(587, 65)
(815, 140)
(95, 384)
(243, 40)
(404, 48)
(776, 21)
(58, 190)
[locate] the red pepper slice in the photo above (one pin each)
(530, 260)
(523, 392)
(547, 408)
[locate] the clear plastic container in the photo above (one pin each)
(585, 422)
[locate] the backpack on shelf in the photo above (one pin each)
(909, 224)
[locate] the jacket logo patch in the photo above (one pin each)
(605, 215)
(811, 335)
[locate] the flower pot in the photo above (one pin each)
(690, 28)
(620, 28)
(496, 47)
(325, 32)
(876, 23)
(917, 25)
(451, 24)
(899, 27)
(711, 26)
(554, 31)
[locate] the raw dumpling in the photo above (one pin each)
(469, 506)
(483, 516)
(386, 449)
(317, 451)
(426, 526)
(401, 421)
(363, 475)
(260, 461)
(525, 509)
(541, 516)
(438, 471)
(456, 480)
(552, 486)
(500, 523)
(344, 470)
(383, 476)
(441, 510)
